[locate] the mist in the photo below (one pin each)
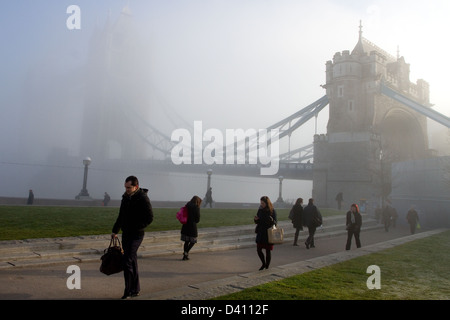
(229, 64)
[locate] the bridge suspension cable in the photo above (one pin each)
(428, 112)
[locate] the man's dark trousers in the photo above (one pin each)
(310, 240)
(131, 243)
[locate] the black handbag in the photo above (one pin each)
(112, 259)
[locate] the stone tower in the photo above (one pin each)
(116, 93)
(366, 131)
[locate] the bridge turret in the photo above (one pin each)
(349, 159)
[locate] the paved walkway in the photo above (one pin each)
(207, 274)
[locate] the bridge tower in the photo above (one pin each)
(116, 92)
(366, 131)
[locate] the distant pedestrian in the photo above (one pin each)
(30, 197)
(189, 232)
(311, 219)
(339, 199)
(353, 223)
(394, 216)
(265, 218)
(208, 198)
(106, 199)
(413, 219)
(387, 214)
(296, 217)
(135, 214)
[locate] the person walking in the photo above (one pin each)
(135, 214)
(265, 218)
(413, 218)
(106, 199)
(339, 198)
(387, 215)
(296, 217)
(189, 232)
(208, 198)
(30, 199)
(312, 219)
(353, 223)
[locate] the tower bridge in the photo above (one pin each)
(376, 116)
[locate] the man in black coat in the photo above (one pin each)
(135, 215)
(311, 219)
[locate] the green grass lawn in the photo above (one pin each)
(27, 222)
(416, 270)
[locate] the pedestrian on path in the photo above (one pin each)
(189, 232)
(353, 223)
(296, 217)
(413, 219)
(30, 199)
(387, 217)
(135, 214)
(311, 219)
(265, 218)
(339, 199)
(208, 198)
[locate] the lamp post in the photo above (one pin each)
(209, 173)
(84, 194)
(280, 197)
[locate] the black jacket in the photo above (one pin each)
(310, 212)
(355, 226)
(265, 221)
(297, 217)
(135, 213)
(190, 227)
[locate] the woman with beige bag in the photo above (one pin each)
(265, 218)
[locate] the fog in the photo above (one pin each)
(230, 64)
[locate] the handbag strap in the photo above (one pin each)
(114, 241)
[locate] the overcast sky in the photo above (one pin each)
(228, 63)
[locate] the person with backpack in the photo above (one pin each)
(311, 219)
(189, 232)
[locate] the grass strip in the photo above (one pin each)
(28, 222)
(418, 270)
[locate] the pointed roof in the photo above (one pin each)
(365, 46)
(359, 48)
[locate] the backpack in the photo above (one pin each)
(317, 218)
(182, 215)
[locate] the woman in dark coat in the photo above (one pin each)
(296, 217)
(189, 231)
(353, 223)
(265, 218)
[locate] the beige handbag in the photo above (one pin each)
(275, 235)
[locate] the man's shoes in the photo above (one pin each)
(307, 245)
(129, 296)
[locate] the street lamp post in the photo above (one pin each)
(280, 197)
(84, 194)
(209, 172)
